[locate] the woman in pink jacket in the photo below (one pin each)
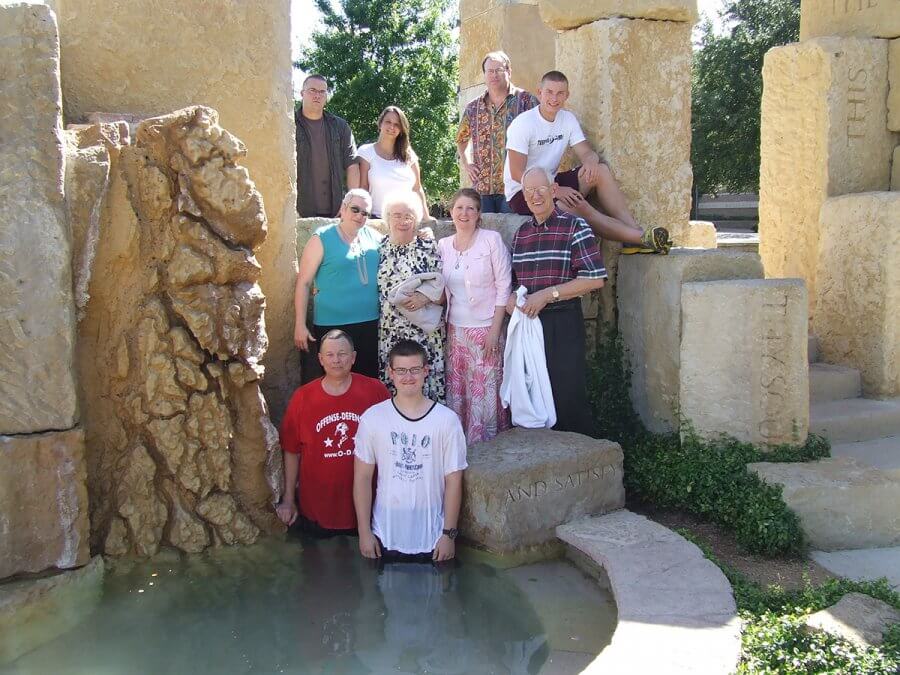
(477, 272)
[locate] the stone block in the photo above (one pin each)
(36, 611)
(520, 485)
(235, 57)
(182, 450)
(515, 28)
(43, 502)
(567, 14)
(823, 133)
(895, 170)
(856, 617)
(842, 504)
(633, 99)
(694, 234)
(744, 369)
(894, 85)
(37, 333)
(857, 319)
(650, 321)
(862, 18)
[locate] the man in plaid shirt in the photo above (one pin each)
(556, 258)
(484, 123)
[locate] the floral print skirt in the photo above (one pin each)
(473, 383)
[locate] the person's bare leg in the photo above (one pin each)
(607, 227)
(610, 196)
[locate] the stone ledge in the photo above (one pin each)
(841, 503)
(667, 593)
(525, 482)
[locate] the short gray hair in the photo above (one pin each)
(535, 169)
(358, 192)
(404, 198)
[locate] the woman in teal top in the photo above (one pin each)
(341, 261)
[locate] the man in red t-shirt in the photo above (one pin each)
(317, 438)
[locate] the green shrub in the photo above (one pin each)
(774, 640)
(706, 478)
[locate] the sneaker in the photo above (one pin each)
(654, 240)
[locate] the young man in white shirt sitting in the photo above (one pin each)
(539, 138)
(419, 448)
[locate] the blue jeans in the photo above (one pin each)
(494, 204)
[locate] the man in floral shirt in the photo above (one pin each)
(484, 122)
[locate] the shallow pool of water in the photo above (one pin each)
(314, 606)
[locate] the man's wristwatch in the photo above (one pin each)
(451, 533)
(554, 291)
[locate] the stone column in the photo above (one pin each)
(857, 320)
(863, 18)
(513, 27)
(823, 133)
(650, 321)
(744, 368)
(152, 58)
(43, 500)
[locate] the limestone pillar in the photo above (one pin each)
(895, 170)
(513, 27)
(894, 84)
(37, 314)
(650, 321)
(565, 14)
(744, 368)
(149, 59)
(863, 18)
(823, 133)
(857, 319)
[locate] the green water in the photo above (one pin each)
(315, 606)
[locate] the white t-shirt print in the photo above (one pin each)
(544, 142)
(413, 457)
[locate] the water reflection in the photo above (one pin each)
(299, 606)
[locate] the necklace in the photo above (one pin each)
(357, 252)
(461, 254)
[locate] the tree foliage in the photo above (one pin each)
(727, 91)
(393, 52)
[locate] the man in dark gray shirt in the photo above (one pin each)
(327, 163)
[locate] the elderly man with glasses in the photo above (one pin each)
(555, 257)
(327, 163)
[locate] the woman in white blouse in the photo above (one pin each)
(389, 165)
(477, 274)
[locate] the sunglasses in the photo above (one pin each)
(357, 210)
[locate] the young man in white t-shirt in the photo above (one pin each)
(419, 448)
(539, 138)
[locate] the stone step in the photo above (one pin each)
(842, 504)
(812, 348)
(833, 383)
(855, 419)
(880, 453)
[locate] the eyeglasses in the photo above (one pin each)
(542, 190)
(405, 217)
(495, 71)
(357, 210)
(317, 92)
(402, 372)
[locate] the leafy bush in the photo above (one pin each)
(706, 478)
(774, 639)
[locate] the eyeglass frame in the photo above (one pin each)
(415, 371)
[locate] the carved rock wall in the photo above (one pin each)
(744, 368)
(863, 18)
(823, 133)
(150, 58)
(37, 315)
(857, 320)
(180, 447)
